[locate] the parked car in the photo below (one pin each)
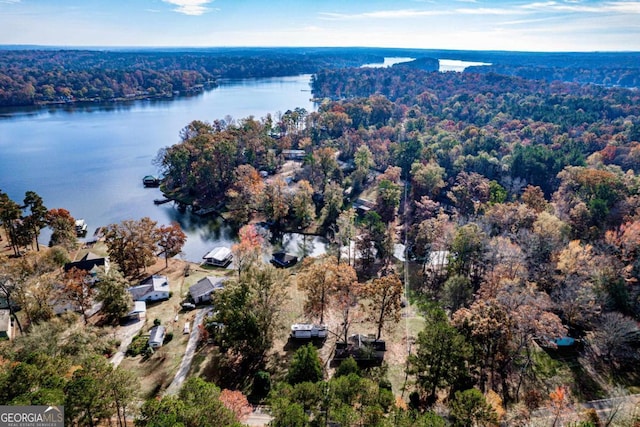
(188, 306)
(187, 328)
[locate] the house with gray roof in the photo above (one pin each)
(201, 291)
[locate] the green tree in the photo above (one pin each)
(9, 216)
(441, 355)
(303, 208)
(457, 292)
(470, 408)
(306, 366)
(114, 295)
(37, 218)
(88, 400)
(197, 405)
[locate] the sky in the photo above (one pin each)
(519, 25)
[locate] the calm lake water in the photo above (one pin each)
(90, 159)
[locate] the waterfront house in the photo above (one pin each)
(218, 257)
(201, 291)
(153, 288)
(156, 336)
(91, 263)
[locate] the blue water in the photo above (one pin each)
(90, 159)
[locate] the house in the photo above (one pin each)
(293, 154)
(362, 206)
(283, 260)
(364, 349)
(219, 257)
(153, 288)
(6, 325)
(307, 331)
(201, 291)
(139, 311)
(91, 263)
(437, 262)
(156, 336)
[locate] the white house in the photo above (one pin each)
(156, 336)
(201, 291)
(153, 288)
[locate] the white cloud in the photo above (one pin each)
(576, 6)
(190, 7)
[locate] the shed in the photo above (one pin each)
(139, 311)
(156, 336)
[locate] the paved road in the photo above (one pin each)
(185, 365)
(125, 334)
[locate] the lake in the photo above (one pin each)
(445, 64)
(90, 158)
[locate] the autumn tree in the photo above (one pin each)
(236, 402)
(63, 227)
(78, 291)
(132, 244)
(248, 250)
(333, 201)
(314, 281)
(303, 208)
(243, 196)
(385, 301)
(170, 239)
(345, 231)
(276, 200)
(345, 291)
(363, 161)
(469, 192)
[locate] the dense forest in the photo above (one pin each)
(47, 75)
(517, 204)
(30, 77)
(529, 191)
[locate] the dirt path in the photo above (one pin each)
(125, 334)
(189, 352)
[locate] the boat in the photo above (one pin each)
(161, 201)
(81, 228)
(150, 181)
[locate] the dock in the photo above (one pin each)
(161, 201)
